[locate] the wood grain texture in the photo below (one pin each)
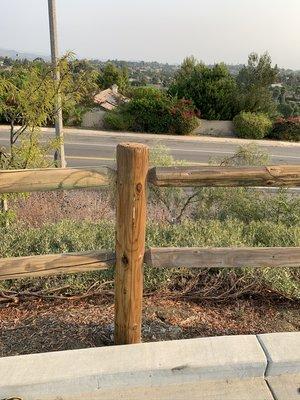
(220, 257)
(32, 180)
(276, 175)
(132, 168)
(54, 264)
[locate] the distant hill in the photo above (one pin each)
(18, 55)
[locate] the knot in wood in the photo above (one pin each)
(139, 187)
(125, 260)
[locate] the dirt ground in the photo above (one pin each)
(38, 325)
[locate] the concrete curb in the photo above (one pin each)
(283, 372)
(282, 351)
(181, 138)
(227, 368)
(266, 367)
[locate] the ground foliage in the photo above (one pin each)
(252, 125)
(217, 217)
(154, 111)
(286, 129)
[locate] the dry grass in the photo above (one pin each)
(50, 207)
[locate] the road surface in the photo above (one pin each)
(93, 148)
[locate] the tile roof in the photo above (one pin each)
(110, 98)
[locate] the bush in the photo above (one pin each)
(68, 236)
(286, 129)
(144, 92)
(183, 118)
(252, 125)
(152, 110)
(117, 120)
(150, 113)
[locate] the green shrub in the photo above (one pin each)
(68, 236)
(144, 92)
(152, 110)
(286, 129)
(117, 120)
(150, 113)
(252, 125)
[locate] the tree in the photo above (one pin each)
(112, 75)
(27, 102)
(212, 90)
(258, 71)
(78, 97)
(254, 81)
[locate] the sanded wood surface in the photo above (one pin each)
(200, 257)
(53, 264)
(276, 175)
(132, 169)
(32, 180)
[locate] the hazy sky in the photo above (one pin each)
(158, 30)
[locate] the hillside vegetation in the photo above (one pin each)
(207, 217)
(159, 98)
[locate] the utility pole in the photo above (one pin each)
(59, 155)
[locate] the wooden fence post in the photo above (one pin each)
(132, 169)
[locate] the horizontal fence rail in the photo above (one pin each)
(35, 180)
(54, 264)
(172, 257)
(276, 175)
(45, 179)
(222, 257)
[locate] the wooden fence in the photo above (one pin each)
(132, 176)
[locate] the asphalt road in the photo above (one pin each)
(94, 148)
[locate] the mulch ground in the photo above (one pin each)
(38, 325)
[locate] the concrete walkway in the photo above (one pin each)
(263, 367)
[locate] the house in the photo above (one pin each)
(106, 100)
(109, 99)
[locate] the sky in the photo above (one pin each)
(158, 30)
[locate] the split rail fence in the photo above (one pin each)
(132, 177)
